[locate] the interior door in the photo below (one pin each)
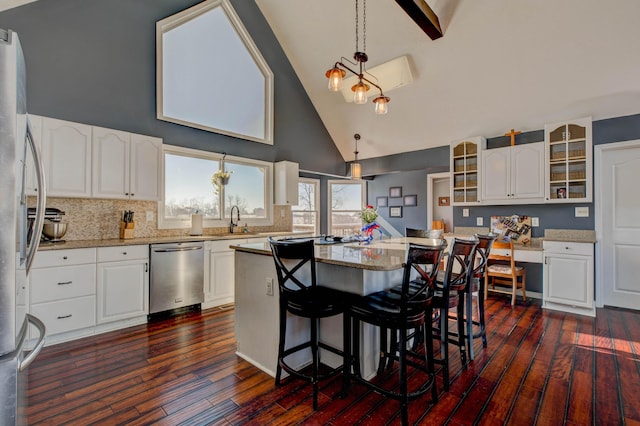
(620, 236)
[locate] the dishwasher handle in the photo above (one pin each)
(174, 249)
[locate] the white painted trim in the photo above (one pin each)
(598, 194)
(431, 178)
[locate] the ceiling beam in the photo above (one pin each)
(423, 15)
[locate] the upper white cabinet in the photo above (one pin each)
(145, 166)
(286, 182)
(568, 164)
(513, 174)
(125, 165)
(66, 148)
(466, 171)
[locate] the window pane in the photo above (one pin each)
(188, 187)
(305, 221)
(306, 197)
(345, 223)
(246, 189)
(346, 196)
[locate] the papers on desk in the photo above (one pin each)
(517, 228)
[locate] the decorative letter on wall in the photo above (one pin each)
(210, 74)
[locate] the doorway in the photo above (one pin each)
(617, 205)
(438, 189)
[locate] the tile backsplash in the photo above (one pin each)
(98, 219)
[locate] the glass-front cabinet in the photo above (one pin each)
(465, 170)
(568, 167)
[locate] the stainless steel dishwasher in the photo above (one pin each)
(177, 276)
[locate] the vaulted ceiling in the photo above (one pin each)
(501, 64)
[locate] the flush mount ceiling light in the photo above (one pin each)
(360, 89)
(356, 168)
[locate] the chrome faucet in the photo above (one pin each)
(233, 224)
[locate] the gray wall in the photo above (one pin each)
(93, 61)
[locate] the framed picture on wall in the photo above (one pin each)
(410, 200)
(395, 211)
(381, 202)
(395, 192)
(443, 201)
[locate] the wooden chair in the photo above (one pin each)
(504, 272)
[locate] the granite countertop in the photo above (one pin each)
(74, 244)
(570, 235)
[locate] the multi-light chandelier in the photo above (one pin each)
(360, 89)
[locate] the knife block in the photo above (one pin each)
(126, 230)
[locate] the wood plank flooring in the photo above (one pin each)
(541, 367)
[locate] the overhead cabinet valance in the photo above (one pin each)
(558, 170)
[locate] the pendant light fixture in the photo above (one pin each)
(356, 168)
(339, 70)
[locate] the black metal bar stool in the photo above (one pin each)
(450, 287)
(477, 286)
(300, 295)
(403, 311)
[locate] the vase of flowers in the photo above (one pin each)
(369, 215)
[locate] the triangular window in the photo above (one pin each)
(210, 74)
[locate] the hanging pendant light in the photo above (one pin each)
(360, 89)
(356, 168)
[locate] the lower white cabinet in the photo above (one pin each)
(219, 287)
(62, 287)
(122, 283)
(568, 277)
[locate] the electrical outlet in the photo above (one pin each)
(465, 212)
(269, 286)
(149, 216)
(479, 221)
(535, 222)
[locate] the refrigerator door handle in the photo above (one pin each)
(22, 365)
(40, 200)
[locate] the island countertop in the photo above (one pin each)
(379, 255)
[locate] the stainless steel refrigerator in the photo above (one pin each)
(17, 147)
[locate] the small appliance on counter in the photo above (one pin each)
(53, 229)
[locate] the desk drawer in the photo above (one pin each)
(66, 315)
(585, 249)
(50, 284)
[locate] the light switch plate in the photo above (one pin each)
(479, 221)
(465, 212)
(582, 211)
(149, 216)
(535, 222)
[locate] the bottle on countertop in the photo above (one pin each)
(245, 229)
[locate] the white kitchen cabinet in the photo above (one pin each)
(513, 174)
(62, 287)
(66, 149)
(466, 172)
(568, 277)
(568, 165)
(122, 282)
(286, 175)
(125, 165)
(219, 288)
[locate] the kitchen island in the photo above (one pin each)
(353, 267)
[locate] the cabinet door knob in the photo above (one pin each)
(124, 253)
(132, 194)
(126, 193)
(64, 257)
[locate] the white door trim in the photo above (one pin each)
(431, 178)
(598, 207)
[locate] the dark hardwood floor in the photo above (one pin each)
(541, 367)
